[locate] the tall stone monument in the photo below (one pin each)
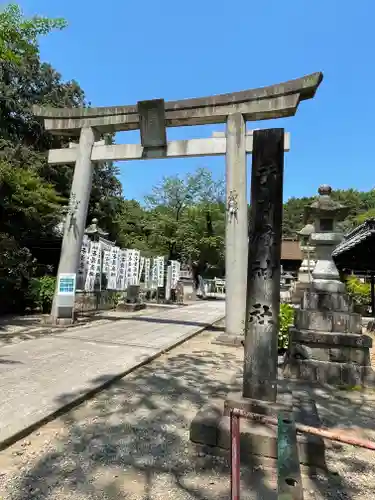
(326, 344)
(262, 393)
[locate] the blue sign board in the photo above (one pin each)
(67, 284)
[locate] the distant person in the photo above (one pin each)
(198, 268)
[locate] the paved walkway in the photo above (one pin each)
(41, 376)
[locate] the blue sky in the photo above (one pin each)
(123, 51)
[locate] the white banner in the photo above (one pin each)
(113, 268)
(94, 267)
(176, 266)
(122, 269)
(106, 261)
(132, 271)
(147, 273)
(154, 273)
(83, 264)
(141, 264)
(160, 271)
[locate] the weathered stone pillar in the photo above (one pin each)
(236, 229)
(263, 284)
(76, 218)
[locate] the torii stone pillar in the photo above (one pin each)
(75, 224)
(236, 227)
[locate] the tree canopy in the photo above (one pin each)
(19, 36)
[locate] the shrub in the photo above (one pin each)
(41, 292)
(116, 298)
(286, 321)
(359, 292)
(17, 265)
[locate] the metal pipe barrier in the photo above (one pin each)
(289, 481)
(289, 473)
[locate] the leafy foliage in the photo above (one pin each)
(361, 218)
(41, 291)
(16, 267)
(286, 318)
(19, 36)
(359, 292)
(361, 206)
(186, 217)
(32, 193)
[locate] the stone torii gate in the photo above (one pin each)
(152, 118)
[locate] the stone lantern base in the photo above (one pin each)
(326, 345)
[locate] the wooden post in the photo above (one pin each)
(263, 283)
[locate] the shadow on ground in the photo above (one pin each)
(132, 440)
(5, 361)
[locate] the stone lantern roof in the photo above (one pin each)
(325, 206)
(306, 230)
(94, 230)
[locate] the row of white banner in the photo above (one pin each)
(122, 267)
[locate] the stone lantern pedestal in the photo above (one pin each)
(308, 254)
(326, 344)
(307, 265)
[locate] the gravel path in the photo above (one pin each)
(132, 441)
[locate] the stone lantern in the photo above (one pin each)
(326, 343)
(94, 232)
(326, 214)
(307, 250)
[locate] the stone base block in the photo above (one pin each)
(328, 372)
(325, 301)
(210, 430)
(330, 286)
(229, 340)
(130, 307)
(328, 321)
(59, 322)
(330, 346)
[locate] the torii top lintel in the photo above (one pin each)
(275, 101)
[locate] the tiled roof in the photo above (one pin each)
(354, 238)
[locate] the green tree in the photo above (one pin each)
(184, 215)
(361, 218)
(361, 206)
(26, 203)
(17, 266)
(135, 228)
(32, 192)
(293, 215)
(19, 36)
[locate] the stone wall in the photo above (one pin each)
(95, 301)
